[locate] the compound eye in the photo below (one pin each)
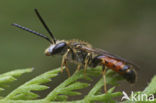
(59, 48)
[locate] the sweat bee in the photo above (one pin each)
(83, 54)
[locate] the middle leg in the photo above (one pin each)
(86, 63)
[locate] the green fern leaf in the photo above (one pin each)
(151, 89)
(26, 89)
(9, 77)
(25, 93)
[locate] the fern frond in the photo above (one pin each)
(24, 92)
(9, 77)
(148, 91)
(93, 96)
(66, 88)
(151, 89)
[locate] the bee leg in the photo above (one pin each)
(64, 59)
(78, 67)
(86, 63)
(67, 69)
(104, 78)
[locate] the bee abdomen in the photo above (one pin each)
(121, 67)
(130, 75)
(114, 64)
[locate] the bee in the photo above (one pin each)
(83, 54)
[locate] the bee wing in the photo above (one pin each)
(101, 52)
(106, 53)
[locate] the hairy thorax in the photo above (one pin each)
(76, 53)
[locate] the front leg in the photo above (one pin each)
(66, 67)
(64, 63)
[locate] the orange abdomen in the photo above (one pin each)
(114, 64)
(124, 69)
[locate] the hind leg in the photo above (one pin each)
(98, 60)
(104, 77)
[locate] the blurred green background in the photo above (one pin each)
(123, 27)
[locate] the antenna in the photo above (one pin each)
(44, 24)
(32, 31)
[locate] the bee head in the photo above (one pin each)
(57, 48)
